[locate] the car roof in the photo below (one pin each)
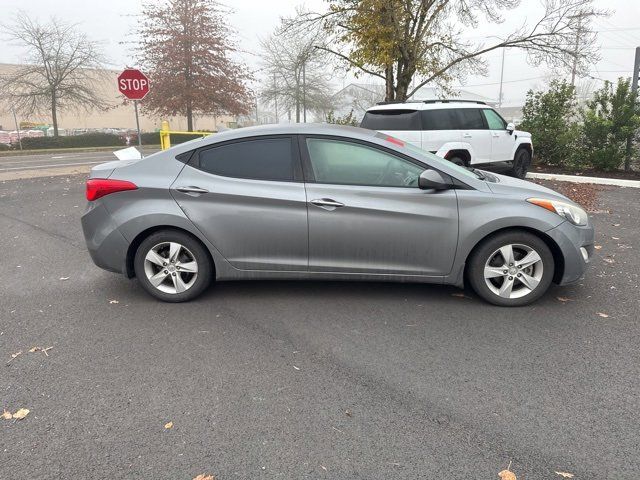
(429, 105)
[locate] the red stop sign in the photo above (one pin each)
(133, 84)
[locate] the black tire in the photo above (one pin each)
(521, 163)
(521, 240)
(191, 248)
(458, 161)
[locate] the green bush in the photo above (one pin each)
(609, 119)
(4, 147)
(348, 119)
(87, 140)
(551, 118)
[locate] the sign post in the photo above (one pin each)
(134, 85)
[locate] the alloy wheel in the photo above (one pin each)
(513, 271)
(171, 267)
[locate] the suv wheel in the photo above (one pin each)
(521, 163)
(511, 269)
(173, 266)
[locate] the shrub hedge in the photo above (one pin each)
(87, 140)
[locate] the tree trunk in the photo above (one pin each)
(189, 117)
(297, 99)
(402, 87)
(54, 113)
(389, 87)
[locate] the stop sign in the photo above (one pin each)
(133, 84)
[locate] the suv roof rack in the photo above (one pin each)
(436, 100)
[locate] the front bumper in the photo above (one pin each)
(575, 244)
(106, 245)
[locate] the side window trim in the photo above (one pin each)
(309, 176)
(298, 176)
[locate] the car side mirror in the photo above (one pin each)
(511, 127)
(433, 180)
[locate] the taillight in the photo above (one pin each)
(99, 187)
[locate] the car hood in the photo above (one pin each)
(504, 185)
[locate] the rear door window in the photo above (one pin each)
(439, 119)
(400, 119)
(259, 159)
(469, 119)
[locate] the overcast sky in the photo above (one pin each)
(111, 21)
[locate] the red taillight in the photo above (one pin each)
(99, 187)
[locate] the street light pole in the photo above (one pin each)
(634, 95)
(15, 120)
(501, 79)
(304, 91)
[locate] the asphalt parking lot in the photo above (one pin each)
(309, 380)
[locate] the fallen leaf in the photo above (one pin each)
(202, 476)
(597, 247)
(14, 355)
(323, 467)
(615, 238)
(565, 474)
(168, 425)
(297, 368)
(64, 278)
(348, 413)
(20, 414)
(603, 315)
(113, 301)
(507, 475)
(609, 260)
(564, 299)
(616, 224)
(6, 415)
(45, 350)
(459, 295)
(34, 349)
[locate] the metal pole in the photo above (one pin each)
(501, 78)
(15, 120)
(275, 94)
(135, 105)
(634, 94)
(304, 91)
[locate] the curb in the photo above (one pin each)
(579, 179)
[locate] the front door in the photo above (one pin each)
(367, 214)
(247, 197)
(502, 141)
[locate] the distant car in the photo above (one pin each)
(467, 133)
(327, 202)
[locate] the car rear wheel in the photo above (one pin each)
(521, 163)
(173, 266)
(511, 269)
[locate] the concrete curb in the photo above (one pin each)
(579, 179)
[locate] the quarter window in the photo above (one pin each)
(348, 163)
(259, 159)
(494, 120)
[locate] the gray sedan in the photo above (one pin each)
(328, 202)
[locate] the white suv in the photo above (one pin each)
(466, 132)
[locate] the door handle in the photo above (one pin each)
(326, 203)
(496, 134)
(466, 135)
(192, 189)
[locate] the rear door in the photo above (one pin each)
(248, 198)
(474, 132)
(401, 123)
(502, 141)
(367, 214)
(440, 126)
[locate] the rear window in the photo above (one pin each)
(392, 120)
(260, 159)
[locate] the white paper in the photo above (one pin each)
(130, 153)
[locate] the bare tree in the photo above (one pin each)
(63, 69)
(401, 41)
(186, 47)
(296, 70)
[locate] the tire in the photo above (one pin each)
(180, 280)
(521, 163)
(493, 283)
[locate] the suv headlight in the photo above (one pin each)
(571, 212)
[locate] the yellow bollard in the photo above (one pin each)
(165, 136)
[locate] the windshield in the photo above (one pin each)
(417, 151)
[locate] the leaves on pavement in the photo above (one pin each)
(564, 299)
(603, 315)
(168, 425)
(202, 476)
(565, 474)
(6, 415)
(507, 475)
(20, 414)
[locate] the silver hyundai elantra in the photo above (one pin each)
(316, 201)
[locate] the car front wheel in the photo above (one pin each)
(173, 266)
(511, 269)
(521, 164)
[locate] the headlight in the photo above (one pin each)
(573, 213)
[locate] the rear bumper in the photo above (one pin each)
(575, 243)
(106, 245)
